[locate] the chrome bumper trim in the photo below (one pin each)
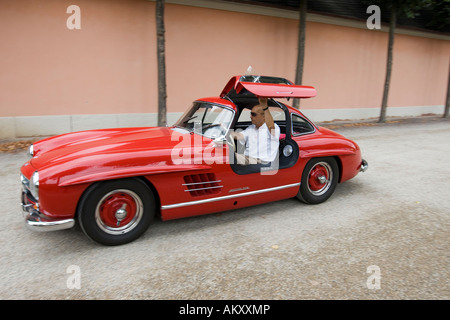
(35, 221)
(364, 166)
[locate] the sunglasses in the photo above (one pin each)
(254, 114)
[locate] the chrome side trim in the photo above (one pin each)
(206, 188)
(232, 196)
(194, 183)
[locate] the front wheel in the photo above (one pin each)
(116, 212)
(319, 180)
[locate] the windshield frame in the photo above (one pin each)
(196, 105)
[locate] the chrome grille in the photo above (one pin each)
(25, 182)
(202, 184)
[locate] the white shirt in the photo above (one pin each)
(260, 144)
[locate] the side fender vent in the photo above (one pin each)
(202, 184)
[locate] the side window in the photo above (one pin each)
(244, 116)
(300, 125)
(277, 114)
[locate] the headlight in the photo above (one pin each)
(34, 185)
(31, 151)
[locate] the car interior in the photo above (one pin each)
(288, 150)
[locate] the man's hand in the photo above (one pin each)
(262, 102)
(268, 117)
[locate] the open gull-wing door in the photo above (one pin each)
(267, 87)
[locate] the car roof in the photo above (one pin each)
(267, 87)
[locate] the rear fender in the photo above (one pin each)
(346, 153)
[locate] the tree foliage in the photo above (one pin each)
(440, 17)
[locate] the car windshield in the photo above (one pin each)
(209, 120)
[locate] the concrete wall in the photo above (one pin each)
(55, 80)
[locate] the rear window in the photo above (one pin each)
(300, 125)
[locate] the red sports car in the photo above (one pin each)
(114, 182)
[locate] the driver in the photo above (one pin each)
(261, 138)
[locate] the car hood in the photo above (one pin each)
(109, 153)
(79, 144)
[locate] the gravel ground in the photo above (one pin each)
(393, 218)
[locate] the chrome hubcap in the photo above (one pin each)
(322, 179)
(121, 214)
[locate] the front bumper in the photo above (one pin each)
(36, 221)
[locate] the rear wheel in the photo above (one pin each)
(319, 180)
(116, 212)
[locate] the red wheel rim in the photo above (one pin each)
(112, 204)
(119, 211)
(319, 178)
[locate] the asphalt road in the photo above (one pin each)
(382, 235)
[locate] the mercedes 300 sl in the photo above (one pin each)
(114, 182)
